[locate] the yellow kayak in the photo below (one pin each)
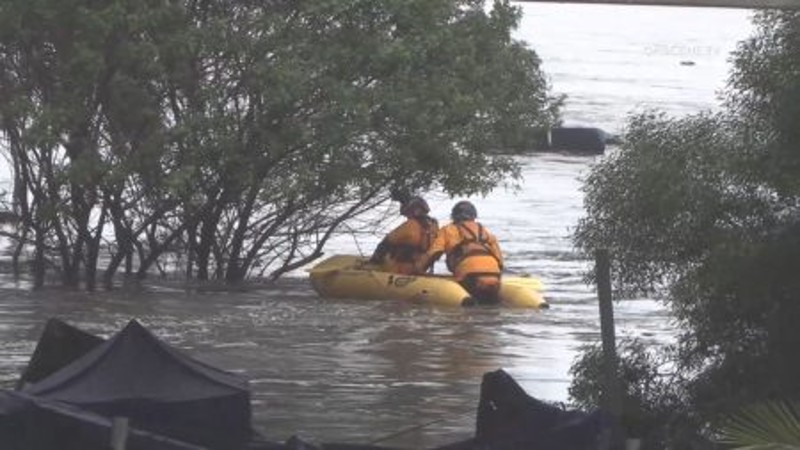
(349, 276)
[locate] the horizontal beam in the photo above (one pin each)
(746, 4)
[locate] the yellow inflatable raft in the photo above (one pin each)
(348, 276)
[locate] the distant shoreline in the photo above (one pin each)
(745, 4)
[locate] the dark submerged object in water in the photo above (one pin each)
(577, 140)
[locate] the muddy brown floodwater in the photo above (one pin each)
(355, 371)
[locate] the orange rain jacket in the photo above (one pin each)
(404, 248)
(470, 250)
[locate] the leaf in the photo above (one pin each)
(772, 425)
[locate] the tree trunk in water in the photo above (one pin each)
(191, 239)
(17, 252)
(38, 260)
(207, 229)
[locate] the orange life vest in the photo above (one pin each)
(413, 250)
(472, 244)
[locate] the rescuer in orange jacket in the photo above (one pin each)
(472, 253)
(403, 248)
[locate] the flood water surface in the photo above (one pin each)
(362, 371)
(334, 371)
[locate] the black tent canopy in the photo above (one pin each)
(59, 345)
(30, 423)
(157, 387)
(510, 419)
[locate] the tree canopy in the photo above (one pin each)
(703, 212)
(238, 136)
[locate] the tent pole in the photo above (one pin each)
(119, 433)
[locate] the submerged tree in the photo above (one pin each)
(703, 211)
(242, 135)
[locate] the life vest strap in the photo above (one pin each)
(462, 250)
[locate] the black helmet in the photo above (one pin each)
(463, 210)
(414, 207)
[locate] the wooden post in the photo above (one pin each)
(119, 433)
(612, 393)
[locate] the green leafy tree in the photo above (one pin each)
(236, 137)
(702, 212)
(651, 388)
